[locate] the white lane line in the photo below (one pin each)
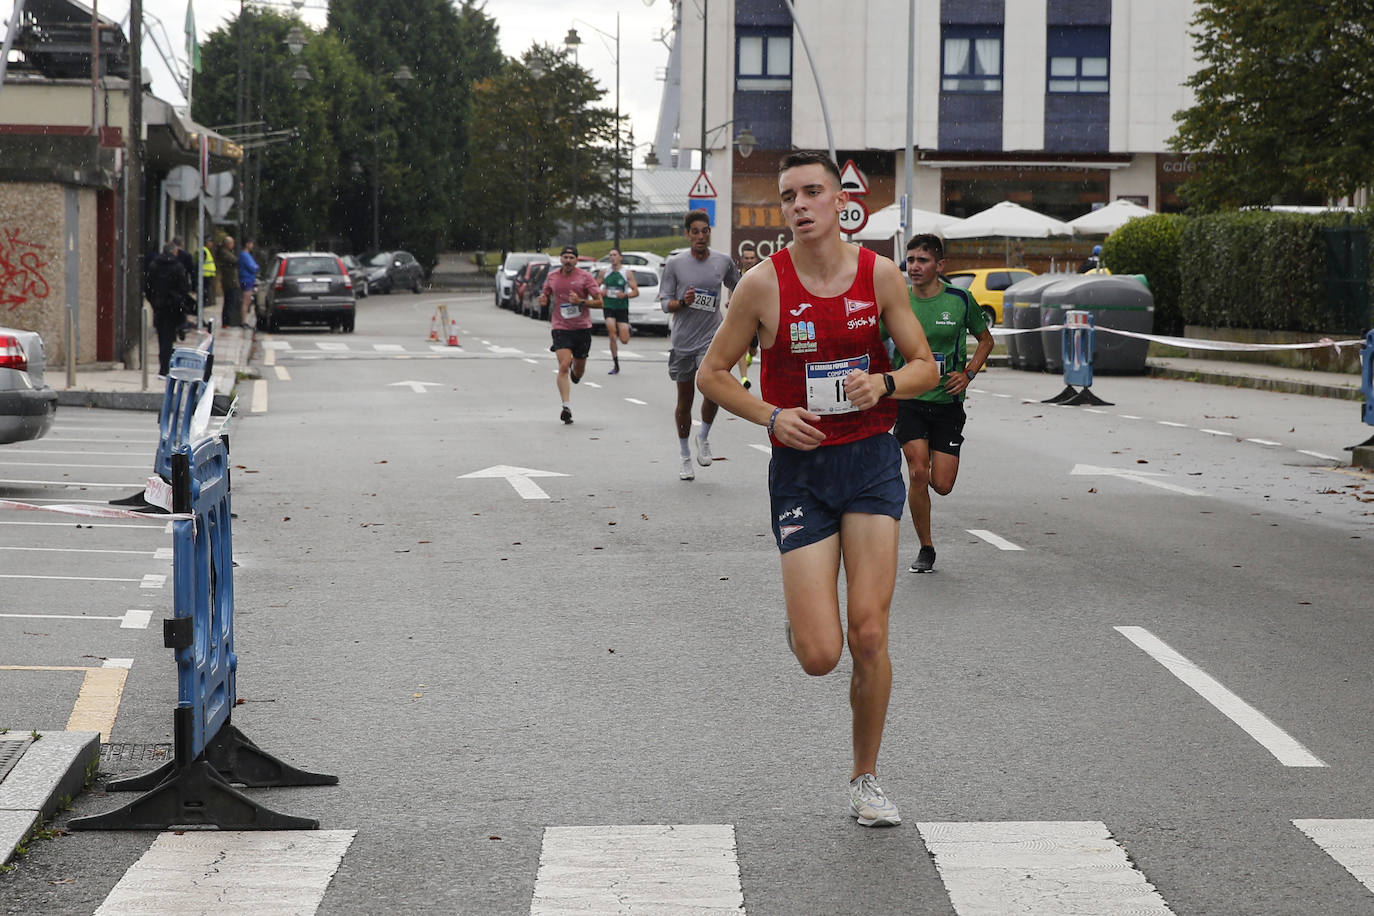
(638, 401)
(1324, 457)
(167, 528)
(1092, 410)
(999, 542)
(998, 394)
(153, 580)
(1275, 740)
(440, 348)
(230, 871)
(1216, 432)
(84, 453)
(1027, 867)
(331, 347)
(163, 553)
(68, 578)
(135, 553)
(282, 374)
(593, 385)
(121, 618)
(766, 449)
(661, 868)
(276, 345)
(120, 441)
(63, 464)
(1264, 441)
(1350, 841)
(135, 619)
(65, 483)
(269, 357)
(1170, 423)
(532, 362)
(259, 402)
(1128, 416)
(389, 348)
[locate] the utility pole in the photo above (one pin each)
(132, 343)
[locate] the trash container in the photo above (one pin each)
(1121, 301)
(1021, 310)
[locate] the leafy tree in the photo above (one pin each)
(1282, 101)
(539, 132)
(1152, 245)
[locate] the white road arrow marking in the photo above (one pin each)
(1145, 477)
(417, 387)
(519, 478)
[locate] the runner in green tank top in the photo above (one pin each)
(618, 287)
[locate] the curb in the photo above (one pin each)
(1286, 386)
(1362, 456)
(111, 400)
(52, 768)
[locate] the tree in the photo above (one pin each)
(1282, 101)
(537, 129)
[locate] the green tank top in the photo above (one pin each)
(616, 284)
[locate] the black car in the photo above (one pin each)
(357, 273)
(391, 270)
(305, 287)
(530, 290)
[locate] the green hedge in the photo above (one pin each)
(1247, 269)
(1150, 246)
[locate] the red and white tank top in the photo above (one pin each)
(819, 341)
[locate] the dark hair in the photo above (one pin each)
(929, 242)
(695, 216)
(810, 157)
(748, 246)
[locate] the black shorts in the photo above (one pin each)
(578, 340)
(620, 315)
(810, 492)
(941, 424)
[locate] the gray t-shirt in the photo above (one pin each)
(695, 325)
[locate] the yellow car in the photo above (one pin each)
(986, 285)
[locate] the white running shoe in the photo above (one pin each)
(687, 473)
(703, 452)
(868, 803)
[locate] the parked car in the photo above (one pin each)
(27, 403)
(986, 285)
(505, 276)
(358, 274)
(636, 259)
(305, 287)
(392, 270)
(534, 274)
(645, 312)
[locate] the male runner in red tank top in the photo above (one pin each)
(836, 485)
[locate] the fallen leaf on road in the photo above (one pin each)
(1092, 489)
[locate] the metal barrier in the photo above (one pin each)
(1367, 378)
(1076, 346)
(210, 753)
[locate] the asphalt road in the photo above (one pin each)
(477, 663)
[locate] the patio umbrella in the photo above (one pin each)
(1108, 219)
(883, 224)
(1008, 220)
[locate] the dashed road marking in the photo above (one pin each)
(1000, 543)
(259, 401)
(282, 374)
(1350, 841)
(1321, 455)
(1173, 424)
(1217, 432)
(1264, 441)
(638, 401)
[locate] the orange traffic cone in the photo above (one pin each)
(434, 327)
(453, 333)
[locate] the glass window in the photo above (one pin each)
(780, 55)
(973, 61)
(750, 55)
(1078, 59)
(763, 61)
(304, 267)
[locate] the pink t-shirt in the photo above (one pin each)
(564, 315)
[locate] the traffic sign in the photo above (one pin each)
(852, 180)
(702, 187)
(853, 217)
(704, 203)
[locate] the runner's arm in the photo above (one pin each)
(958, 381)
(632, 288)
(919, 375)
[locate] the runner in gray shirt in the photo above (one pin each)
(691, 290)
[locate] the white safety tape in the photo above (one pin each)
(99, 511)
(1192, 343)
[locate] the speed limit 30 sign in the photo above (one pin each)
(853, 217)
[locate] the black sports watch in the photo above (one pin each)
(970, 373)
(890, 383)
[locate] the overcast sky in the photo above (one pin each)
(521, 23)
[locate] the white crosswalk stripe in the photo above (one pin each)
(1350, 841)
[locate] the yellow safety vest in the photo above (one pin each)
(207, 262)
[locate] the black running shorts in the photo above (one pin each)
(578, 340)
(941, 424)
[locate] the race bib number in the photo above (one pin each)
(568, 310)
(825, 384)
(705, 299)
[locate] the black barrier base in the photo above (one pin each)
(1365, 444)
(1063, 397)
(193, 795)
(1086, 396)
(239, 760)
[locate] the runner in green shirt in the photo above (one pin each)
(618, 287)
(930, 427)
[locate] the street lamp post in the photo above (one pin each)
(572, 41)
(404, 77)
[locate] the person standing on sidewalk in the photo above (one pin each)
(167, 288)
(748, 257)
(229, 282)
(569, 292)
(930, 427)
(209, 279)
(248, 280)
(618, 287)
(835, 479)
(690, 291)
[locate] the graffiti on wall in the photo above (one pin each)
(21, 269)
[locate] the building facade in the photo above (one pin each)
(1059, 105)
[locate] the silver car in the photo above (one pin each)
(27, 404)
(645, 311)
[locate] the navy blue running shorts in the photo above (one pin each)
(810, 491)
(941, 424)
(578, 340)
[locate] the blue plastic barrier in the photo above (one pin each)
(188, 374)
(1076, 340)
(210, 753)
(1367, 378)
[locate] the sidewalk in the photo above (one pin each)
(126, 389)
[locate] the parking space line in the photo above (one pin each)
(135, 553)
(97, 703)
(69, 578)
(259, 403)
(153, 580)
(282, 374)
(63, 464)
(132, 619)
(1000, 543)
(162, 529)
(269, 357)
(64, 483)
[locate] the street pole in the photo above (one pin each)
(133, 340)
(910, 166)
(705, 9)
(376, 161)
(617, 132)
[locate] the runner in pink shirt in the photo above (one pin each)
(570, 292)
